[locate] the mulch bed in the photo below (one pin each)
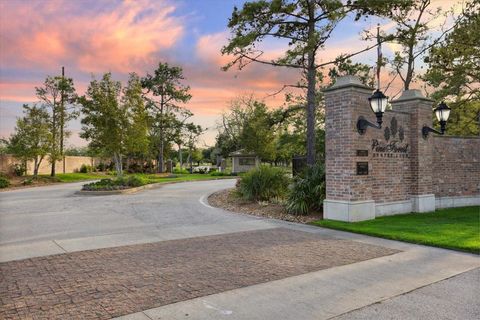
(228, 200)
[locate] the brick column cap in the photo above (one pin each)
(413, 94)
(348, 82)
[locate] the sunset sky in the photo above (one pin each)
(89, 38)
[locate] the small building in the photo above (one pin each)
(243, 161)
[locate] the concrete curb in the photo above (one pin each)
(138, 189)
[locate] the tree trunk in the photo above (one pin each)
(180, 156)
(410, 67)
(190, 160)
(62, 121)
(160, 155)
(53, 155)
(35, 168)
(311, 80)
(117, 158)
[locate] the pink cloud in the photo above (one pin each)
(122, 38)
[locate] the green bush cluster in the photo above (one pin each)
(19, 169)
(4, 182)
(115, 184)
(84, 168)
(307, 191)
(263, 184)
(180, 171)
(219, 174)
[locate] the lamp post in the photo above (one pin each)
(442, 112)
(378, 103)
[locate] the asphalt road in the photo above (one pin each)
(57, 213)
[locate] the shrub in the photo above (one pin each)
(101, 166)
(4, 182)
(263, 184)
(135, 181)
(19, 169)
(148, 167)
(135, 168)
(180, 170)
(307, 191)
(84, 168)
(221, 174)
(27, 182)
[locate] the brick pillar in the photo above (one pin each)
(348, 195)
(421, 154)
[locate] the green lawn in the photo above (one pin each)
(453, 228)
(74, 177)
(151, 178)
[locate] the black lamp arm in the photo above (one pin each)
(363, 124)
(426, 130)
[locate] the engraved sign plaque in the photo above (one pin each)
(362, 168)
(362, 153)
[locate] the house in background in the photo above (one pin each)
(243, 161)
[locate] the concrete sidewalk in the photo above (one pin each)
(453, 298)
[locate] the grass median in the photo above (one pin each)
(453, 228)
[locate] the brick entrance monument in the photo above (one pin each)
(394, 169)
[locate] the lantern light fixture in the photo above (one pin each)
(378, 103)
(442, 112)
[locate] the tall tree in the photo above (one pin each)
(453, 70)
(193, 132)
(58, 96)
(305, 25)
(136, 138)
(233, 121)
(105, 119)
(167, 93)
(257, 134)
(32, 138)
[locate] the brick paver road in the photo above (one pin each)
(105, 283)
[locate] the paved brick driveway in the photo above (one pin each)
(105, 283)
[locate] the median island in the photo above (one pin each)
(135, 182)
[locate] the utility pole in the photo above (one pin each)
(62, 117)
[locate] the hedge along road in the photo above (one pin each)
(53, 219)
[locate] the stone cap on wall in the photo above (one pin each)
(412, 94)
(347, 81)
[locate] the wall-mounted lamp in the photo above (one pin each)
(378, 103)
(442, 112)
